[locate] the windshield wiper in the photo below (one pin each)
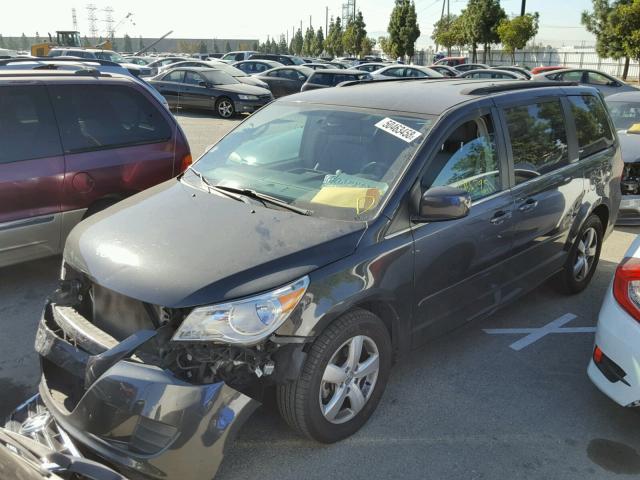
(264, 198)
(215, 188)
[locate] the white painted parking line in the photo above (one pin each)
(535, 334)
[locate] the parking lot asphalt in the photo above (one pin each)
(465, 406)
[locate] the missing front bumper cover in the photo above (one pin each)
(140, 418)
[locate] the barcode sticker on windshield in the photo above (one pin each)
(397, 129)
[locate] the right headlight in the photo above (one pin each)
(243, 322)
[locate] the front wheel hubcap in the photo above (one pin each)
(586, 254)
(349, 379)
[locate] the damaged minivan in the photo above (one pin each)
(323, 238)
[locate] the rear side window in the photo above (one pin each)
(27, 126)
(96, 117)
(538, 139)
(323, 79)
(175, 76)
(592, 124)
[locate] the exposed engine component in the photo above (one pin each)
(209, 363)
(630, 184)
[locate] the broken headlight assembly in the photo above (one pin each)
(243, 322)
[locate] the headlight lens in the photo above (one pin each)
(244, 322)
(248, 97)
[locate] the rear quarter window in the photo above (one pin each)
(592, 124)
(322, 79)
(96, 117)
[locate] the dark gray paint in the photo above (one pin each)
(241, 248)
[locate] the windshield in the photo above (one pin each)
(218, 77)
(110, 56)
(624, 114)
(337, 162)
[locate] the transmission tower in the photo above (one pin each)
(108, 21)
(74, 19)
(348, 11)
(93, 20)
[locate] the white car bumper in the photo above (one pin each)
(618, 336)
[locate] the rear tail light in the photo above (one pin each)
(626, 286)
(186, 162)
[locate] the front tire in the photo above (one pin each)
(342, 381)
(225, 107)
(583, 258)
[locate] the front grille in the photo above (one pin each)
(121, 316)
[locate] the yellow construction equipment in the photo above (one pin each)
(64, 38)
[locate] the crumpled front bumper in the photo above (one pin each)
(139, 418)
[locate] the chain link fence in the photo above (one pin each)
(579, 58)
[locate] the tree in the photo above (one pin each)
(515, 33)
(445, 32)
(367, 45)
(608, 42)
(282, 45)
(387, 47)
(202, 48)
(350, 38)
(227, 47)
(354, 35)
(333, 44)
(24, 43)
(403, 28)
(318, 43)
(482, 18)
(2, 44)
(309, 39)
(298, 42)
(625, 20)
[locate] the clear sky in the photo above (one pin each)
(559, 19)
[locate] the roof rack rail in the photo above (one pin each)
(350, 83)
(105, 63)
(43, 72)
(514, 85)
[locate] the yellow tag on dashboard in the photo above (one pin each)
(359, 198)
(635, 128)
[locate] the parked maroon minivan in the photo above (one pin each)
(71, 144)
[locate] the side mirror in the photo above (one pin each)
(443, 203)
(202, 83)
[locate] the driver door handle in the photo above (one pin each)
(528, 205)
(500, 216)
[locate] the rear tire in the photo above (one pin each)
(583, 258)
(339, 388)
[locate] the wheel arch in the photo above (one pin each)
(386, 309)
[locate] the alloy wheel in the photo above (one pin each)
(349, 379)
(225, 108)
(586, 254)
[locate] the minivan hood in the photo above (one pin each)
(177, 246)
(243, 88)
